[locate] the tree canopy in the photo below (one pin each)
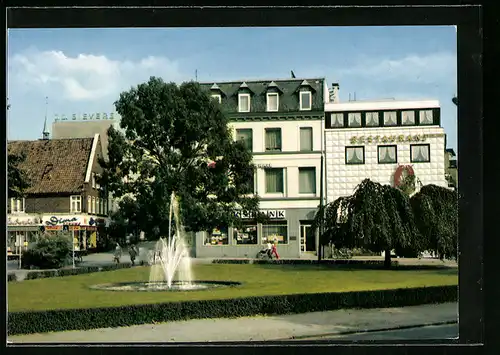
(171, 134)
(17, 179)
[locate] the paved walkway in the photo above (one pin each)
(259, 328)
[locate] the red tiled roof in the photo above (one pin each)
(56, 165)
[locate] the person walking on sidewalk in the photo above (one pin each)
(117, 254)
(133, 253)
(274, 250)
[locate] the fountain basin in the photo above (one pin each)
(177, 286)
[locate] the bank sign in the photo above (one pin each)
(272, 214)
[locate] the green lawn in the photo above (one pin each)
(257, 280)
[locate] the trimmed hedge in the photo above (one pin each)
(303, 262)
(32, 275)
(94, 318)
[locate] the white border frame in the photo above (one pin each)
(71, 199)
(310, 100)
(218, 97)
(277, 101)
(239, 102)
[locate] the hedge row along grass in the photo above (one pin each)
(84, 319)
(42, 274)
(350, 262)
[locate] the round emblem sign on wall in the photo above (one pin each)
(402, 171)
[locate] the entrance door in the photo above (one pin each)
(307, 238)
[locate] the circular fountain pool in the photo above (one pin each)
(178, 286)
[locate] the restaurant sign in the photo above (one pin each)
(272, 214)
(54, 221)
(401, 138)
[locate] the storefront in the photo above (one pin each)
(290, 228)
(21, 231)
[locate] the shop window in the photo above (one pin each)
(337, 120)
(247, 234)
(219, 236)
(354, 155)
(244, 135)
(76, 204)
(273, 139)
(390, 118)
(420, 153)
(17, 205)
(274, 180)
(307, 180)
(372, 119)
(275, 232)
(387, 154)
(306, 139)
(408, 118)
(354, 119)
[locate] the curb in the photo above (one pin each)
(364, 331)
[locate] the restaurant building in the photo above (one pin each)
(63, 192)
(281, 122)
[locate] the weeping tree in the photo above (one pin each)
(176, 138)
(376, 217)
(436, 215)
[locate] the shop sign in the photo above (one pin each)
(401, 138)
(263, 166)
(23, 221)
(86, 117)
(54, 221)
(53, 228)
(272, 214)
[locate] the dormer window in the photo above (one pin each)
(243, 102)
(272, 101)
(217, 97)
(305, 100)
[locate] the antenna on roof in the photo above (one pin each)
(349, 97)
(354, 96)
(293, 74)
(45, 133)
(196, 75)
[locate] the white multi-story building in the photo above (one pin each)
(281, 121)
(380, 139)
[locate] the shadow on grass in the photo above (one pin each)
(442, 269)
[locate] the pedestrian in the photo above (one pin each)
(118, 253)
(133, 253)
(269, 249)
(274, 250)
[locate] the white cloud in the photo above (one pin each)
(426, 69)
(85, 77)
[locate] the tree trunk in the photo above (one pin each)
(387, 259)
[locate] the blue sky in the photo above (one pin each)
(84, 70)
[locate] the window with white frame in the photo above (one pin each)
(354, 155)
(274, 180)
(98, 203)
(371, 119)
(217, 97)
(306, 139)
(275, 232)
(425, 117)
(273, 139)
(105, 209)
(244, 135)
(93, 180)
(420, 153)
(272, 101)
(307, 180)
(390, 118)
(305, 100)
(387, 154)
(93, 204)
(408, 118)
(17, 205)
(243, 102)
(354, 119)
(337, 120)
(89, 204)
(75, 204)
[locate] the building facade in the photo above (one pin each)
(281, 122)
(381, 139)
(63, 192)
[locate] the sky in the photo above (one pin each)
(84, 70)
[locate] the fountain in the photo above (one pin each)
(168, 259)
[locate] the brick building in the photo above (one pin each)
(63, 192)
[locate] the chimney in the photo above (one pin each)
(334, 93)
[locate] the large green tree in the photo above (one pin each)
(376, 217)
(17, 179)
(176, 138)
(436, 215)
